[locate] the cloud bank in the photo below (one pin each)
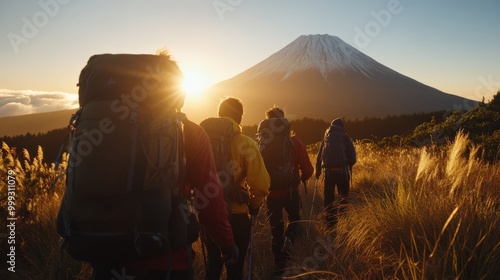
(23, 102)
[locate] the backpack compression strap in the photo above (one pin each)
(133, 150)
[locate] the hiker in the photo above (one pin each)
(244, 179)
(336, 156)
(135, 163)
(283, 195)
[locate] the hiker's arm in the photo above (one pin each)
(257, 177)
(351, 153)
(305, 165)
(202, 176)
(318, 159)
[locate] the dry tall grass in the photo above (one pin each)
(37, 202)
(428, 213)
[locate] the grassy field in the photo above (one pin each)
(414, 213)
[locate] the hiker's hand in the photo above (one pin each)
(230, 255)
(253, 211)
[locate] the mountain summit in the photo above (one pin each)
(321, 76)
(324, 53)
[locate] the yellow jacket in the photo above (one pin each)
(249, 165)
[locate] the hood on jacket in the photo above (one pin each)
(338, 122)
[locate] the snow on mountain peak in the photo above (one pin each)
(323, 52)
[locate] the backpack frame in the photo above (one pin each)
(122, 200)
(334, 154)
(275, 145)
(221, 133)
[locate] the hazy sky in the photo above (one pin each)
(451, 45)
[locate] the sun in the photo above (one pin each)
(194, 83)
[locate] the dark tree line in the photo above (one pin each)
(50, 143)
(481, 123)
(311, 131)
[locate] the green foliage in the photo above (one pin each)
(494, 104)
(480, 123)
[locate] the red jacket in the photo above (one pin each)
(212, 213)
(301, 166)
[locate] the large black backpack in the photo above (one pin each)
(334, 154)
(122, 200)
(275, 145)
(221, 134)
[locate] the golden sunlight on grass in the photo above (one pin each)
(434, 219)
(414, 213)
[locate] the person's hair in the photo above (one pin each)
(175, 78)
(164, 52)
(275, 112)
(231, 107)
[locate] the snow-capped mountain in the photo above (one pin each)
(321, 76)
(322, 52)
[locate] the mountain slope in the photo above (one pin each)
(34, 123)
(321, 76)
